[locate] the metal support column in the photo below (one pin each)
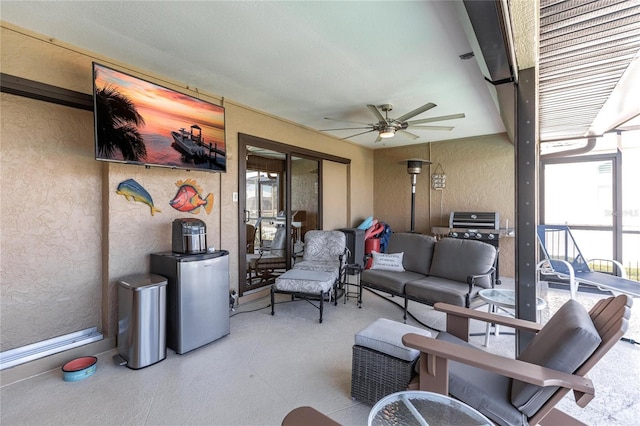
(526, 186)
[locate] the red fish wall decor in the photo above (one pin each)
(189, 198)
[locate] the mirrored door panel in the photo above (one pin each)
(265, 226)
(304, 198)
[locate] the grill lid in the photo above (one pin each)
(474, 220)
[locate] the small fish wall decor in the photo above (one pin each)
(132, 190)
(189, 198)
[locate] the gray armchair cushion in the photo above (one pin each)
(456, 259)
(485, 391)
(417, 248)
(563, 344)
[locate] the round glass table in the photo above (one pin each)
(502, 299)
(422, 408)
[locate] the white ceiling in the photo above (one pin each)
(301, 61)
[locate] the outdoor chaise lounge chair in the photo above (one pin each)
(318, 274)
(564, 259)
(522, 391)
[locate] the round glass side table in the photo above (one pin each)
(502, 299)
(422, 408)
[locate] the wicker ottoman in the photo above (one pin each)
(381, 364)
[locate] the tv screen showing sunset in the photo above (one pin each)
(141, 122)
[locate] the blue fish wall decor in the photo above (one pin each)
(132, 190)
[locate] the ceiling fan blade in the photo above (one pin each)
(416, 111)
(377, 113)
(358, 134)
(344, 128)
(378, 139)
(346, 121)
(432, 119)
(431, 127)
(411, 135)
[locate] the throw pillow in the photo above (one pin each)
(387, 261)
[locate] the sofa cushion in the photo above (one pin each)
(456, 259)
(563, 344)
(485, 391)
(392, 282)
(434, 289)
(387, 261)
(417, 248)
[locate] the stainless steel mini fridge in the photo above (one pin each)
(197, 297)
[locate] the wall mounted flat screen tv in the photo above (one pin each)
(140, 122)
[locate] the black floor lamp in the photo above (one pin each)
(414, 167)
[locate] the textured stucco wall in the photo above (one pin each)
(525, 18)
(67, 237)
(480, 177)
(51, 214)
(335, 213)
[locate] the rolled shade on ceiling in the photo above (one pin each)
(588, 67)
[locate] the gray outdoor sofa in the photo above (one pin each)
(448, 270)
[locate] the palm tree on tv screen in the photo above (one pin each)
(117, 120)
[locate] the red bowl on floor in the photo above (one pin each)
(79, 368)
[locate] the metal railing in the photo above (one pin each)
(632, 269)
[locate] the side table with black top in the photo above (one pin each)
(353, 270)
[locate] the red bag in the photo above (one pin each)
(371, 244)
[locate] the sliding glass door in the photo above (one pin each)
(279, 202)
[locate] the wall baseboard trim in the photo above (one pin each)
(38, 350)
(55, 361)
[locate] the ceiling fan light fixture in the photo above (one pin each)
(387, 132)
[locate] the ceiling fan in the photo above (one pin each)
(387, 127)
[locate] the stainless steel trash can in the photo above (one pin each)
(142, 307)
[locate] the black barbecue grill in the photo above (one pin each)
(481, 226)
